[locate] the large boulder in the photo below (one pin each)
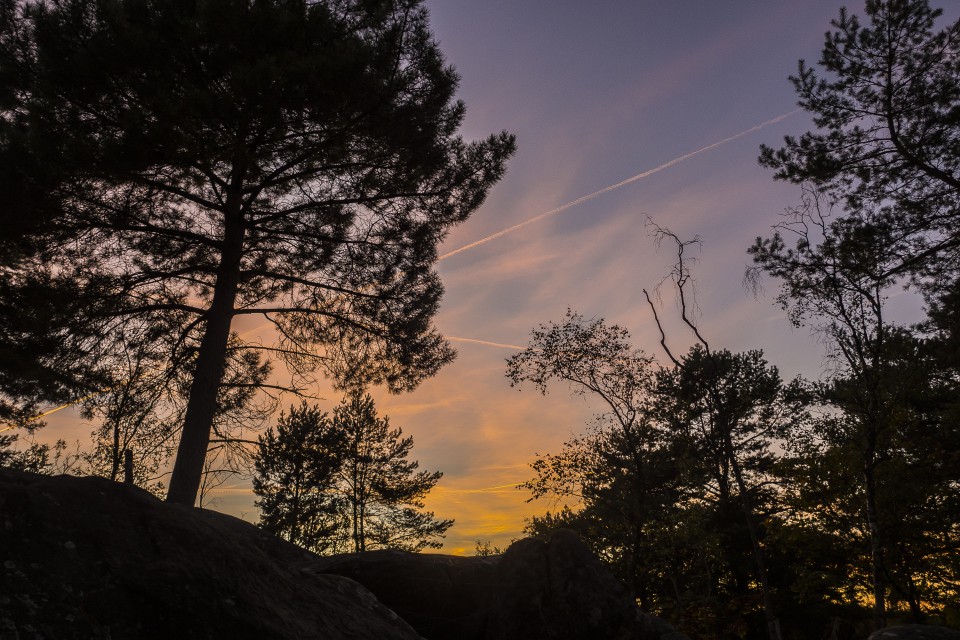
(553, 589)
(915, 632)
(89, 558)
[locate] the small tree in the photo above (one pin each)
(329, 483)
(382, 490)
(296, 468)
(616, 479)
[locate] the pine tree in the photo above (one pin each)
(182, 164)
(383, 490)
(295, 470)
(332, 483)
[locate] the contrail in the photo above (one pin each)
(564, 207)
(622, 183)
(486, 343)
(495, 489)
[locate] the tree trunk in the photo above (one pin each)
(913, 597)
(362, 536)
(211, 360)
(876, 546)
(115, 452)
(769, 611)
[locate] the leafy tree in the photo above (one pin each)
(197, 162)
(484, 548)
(41, 363)
(914, 480)
(617, 475)
(839, 282)
(295, 470)
(382, 491)
(35, 458)
(671, 484)
(885, 99)
(730, 409)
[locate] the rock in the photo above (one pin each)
(90, 558)
(441, 596)
(559, 589)
(915, 632)
(555, 589)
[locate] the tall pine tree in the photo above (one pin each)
(192, 162)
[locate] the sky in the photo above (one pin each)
(596, 94)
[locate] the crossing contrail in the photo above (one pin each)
(499, 489)
(622, 183)
(529, 221)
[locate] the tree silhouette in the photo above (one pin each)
(203, 161)
(885, 99)
(616, 475)
(881, 182)
(884, 384)
(333, 482)
(383, 492)
(295, 469)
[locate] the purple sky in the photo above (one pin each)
(597, 93)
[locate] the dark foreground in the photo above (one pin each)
(89, 558)
(86, 558)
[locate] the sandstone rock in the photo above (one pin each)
(89, 558)
(915, 632)
(555, 589)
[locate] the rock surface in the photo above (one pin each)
(93, 559)
(89, 558)
(915, 632)
(555, 589)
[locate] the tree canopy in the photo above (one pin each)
(195, 162)
(884, 98)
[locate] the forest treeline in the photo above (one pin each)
(739, 504)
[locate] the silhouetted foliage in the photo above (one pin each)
(885, 99)
(669, 486)
(339, 482)
(879, 210)
(616, 476)
(20, 450)
(484, 549)
(295, 470)
(382, 490)
(195, 162)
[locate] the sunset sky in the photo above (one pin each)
(596, 93)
